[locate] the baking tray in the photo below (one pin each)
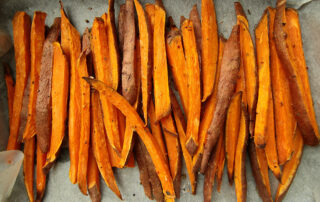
(306, 184)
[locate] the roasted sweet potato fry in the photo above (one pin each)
(40, 174)
(121, 25)
(21, 37)
(71, 46)
(240, 180)
(208, 111)
(285, 122)
(150, 142)
(28, 166)
(259, 168)
(232, 132)
(99, 144)
(10, 88)
(160, 69)
(59, 93)
(209, 51)
(149, 8)
(220, 166)
(24, 111)
(291, 167)
(196, 21)
(193, 86)
(93, 176)
(264, 92)
(286, 43)
(226, 86)
(36, 48)
(181, 127)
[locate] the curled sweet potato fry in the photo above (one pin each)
(99, 144)
(232, 132)
(240, 180)
(59, 93)
(21, 37)
(181, 127)
(160, 69)
(10, 88)
(36, 48)
(196, 21)
(150, 142)
(93, 176)
(40, 174)
(209, 51)
(264, 92)
(259, 168)
(291, 167)
(226, 86)
(208, 112)
(285, 122)
(193, 86)
(28, 166)
(300, 93)
(121, 25)
(71, 46)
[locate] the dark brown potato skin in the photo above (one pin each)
(121, 25)
(195, 18)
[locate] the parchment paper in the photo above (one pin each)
(306, 184)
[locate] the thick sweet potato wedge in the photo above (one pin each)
(209, 50)
(21, 38)
(36, 47)
(93, 177)
(300, 94)
(10, 88)
(41, 178)
(232, 132)
(28, 166)
(226, 86)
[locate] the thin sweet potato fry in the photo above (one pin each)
(209, 50)
(249, 65)
(28, 166)
(99, 144)
(146, 55)
(208, 111)
(21, 37)
(151, 144)
(196, 21)
(59, 93)
(285, 122)
(71, 46)
(121, 25)
(220, 166)
(24, 111)
(232, 132)
(193, 86)
(36, 47)
(181, 127)
(41, 177)
(102, 68)
(240, 180)
(160, 68)
(93, 176)
(300, 94)
(264, 92)
(259, 167)
(226, 86)
(291, 167)
(10, 88)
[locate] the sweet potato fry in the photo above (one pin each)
(43, 103)
(240, 180)
(300, 94)
(220, 166)
(232, 132)
(59, 93)
(99, 46)
(285, 122)
(208, 111)
(99, 144)
(160, 69)
(196, 21)
(263, 62)
(121, 25)
(149, 8)
(93, 176)
(28, 166)
(226, 86)
(10, 88)
(209, 51)
(36, 48)
(24, 111)
(193, 86)
(146, 55)
(40, 174)
(249, 64)
(181, 127)
(291, 167)
(151, 144)
(21, 37)
(259, 168)
(71, 46)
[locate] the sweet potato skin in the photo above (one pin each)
(229, 70)
(196, 21)
(93, 178)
